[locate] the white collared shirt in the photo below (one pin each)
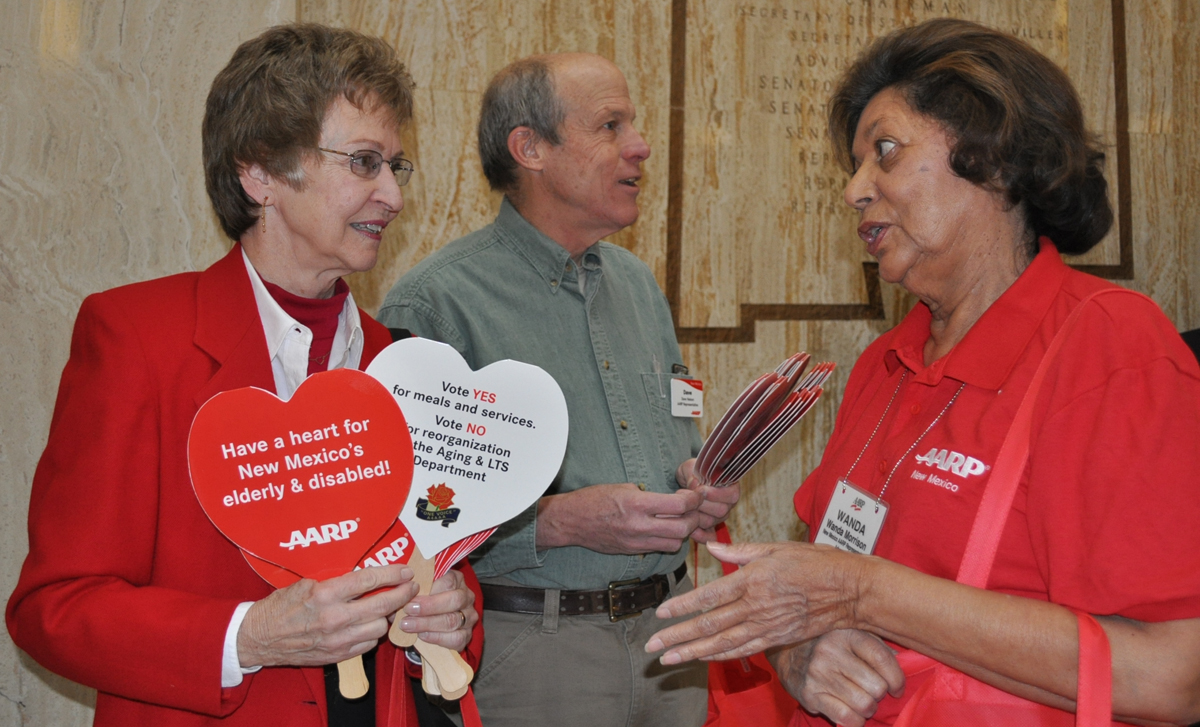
(288, 344)
(288, 340)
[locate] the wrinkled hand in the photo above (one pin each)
(718, 501)
(446, 616)
(618, 519)
(312, 623)
(784, 593)
(842, 675)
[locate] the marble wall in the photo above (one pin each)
(100, 184)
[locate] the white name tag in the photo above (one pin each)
(687, 398)
(853, 520)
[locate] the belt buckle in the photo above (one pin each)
(615, 587)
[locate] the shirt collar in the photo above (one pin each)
(550, 259)
(986, 355)
(275, 321)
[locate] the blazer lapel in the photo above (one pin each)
(229, 330)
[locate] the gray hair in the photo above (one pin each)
(521, 94)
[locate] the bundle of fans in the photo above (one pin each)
(758, 418)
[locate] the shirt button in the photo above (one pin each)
(553, 283)
(606, 365)
(883, 465)
(915, 409)
(624, 424)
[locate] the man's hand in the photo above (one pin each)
(312, 623)
(618, 519)
(718, 501)
(445, 616)
(842, 675)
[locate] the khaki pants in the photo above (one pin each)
(584, 670)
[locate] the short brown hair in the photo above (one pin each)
(268, 104)
(1015, 121)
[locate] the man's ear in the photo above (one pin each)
(257, 183)
(526, 148)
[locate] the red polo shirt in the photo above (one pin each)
(1106, 515)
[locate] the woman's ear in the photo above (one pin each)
(256, 182)
(526, 148)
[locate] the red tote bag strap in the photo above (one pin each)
(722, 531)
(470, 710)
(1094, 701)
(1002, 486)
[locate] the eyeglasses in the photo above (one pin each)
(367, 163)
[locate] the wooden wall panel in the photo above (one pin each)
(764, 220)
(1185, 148)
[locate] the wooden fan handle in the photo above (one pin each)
(352, 678)
(429, 680)
(454, 674)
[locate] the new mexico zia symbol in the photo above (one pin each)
(436, 504)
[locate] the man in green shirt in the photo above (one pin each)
(570, 586)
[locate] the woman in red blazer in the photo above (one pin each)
(128, 587)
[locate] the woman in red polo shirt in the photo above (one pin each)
(972, 173)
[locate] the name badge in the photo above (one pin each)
(687, 398)
(853, 520)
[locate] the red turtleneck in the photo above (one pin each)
(320, 315)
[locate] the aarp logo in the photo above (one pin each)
(322, 535)
(948, 461)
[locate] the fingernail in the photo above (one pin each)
(406, 624)
(407, 573)
(413, 609)
(654, 644)
(670, 659)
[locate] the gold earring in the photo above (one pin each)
(263, 217)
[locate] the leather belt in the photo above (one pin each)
(621, 600)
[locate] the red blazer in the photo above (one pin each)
(128, 587)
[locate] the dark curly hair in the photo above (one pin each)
(268, 104)
(1015, 121)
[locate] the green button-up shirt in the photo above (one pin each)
(603, 331)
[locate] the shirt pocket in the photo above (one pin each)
(676, 436)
